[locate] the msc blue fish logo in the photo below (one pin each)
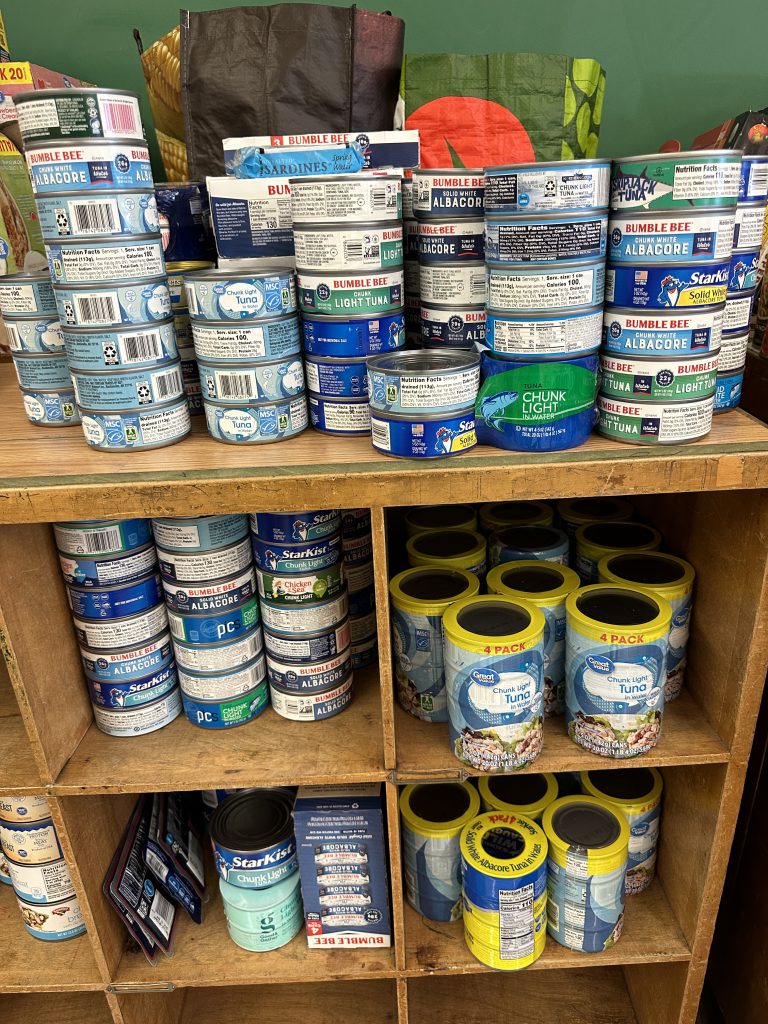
(492, 409)
(670, 291)
(739, 276)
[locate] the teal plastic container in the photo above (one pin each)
(263, 919)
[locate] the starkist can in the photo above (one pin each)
(252, 837)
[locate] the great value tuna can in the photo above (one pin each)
(332, 377)
(494, 659)
(452, 326)
(728, 391)
(265, 381)
(128, 389)
(547, 187)
(455, 549)
(545, 238)
(253, 841)
(103, 570)
(428, 382)
(633, 333)
(654, 422)
(128, 663)
(139, 721)
(346, 247)
(567, 286)
(748, 226)
(497, 515)
(594, 540)
(72, 214)
(527, 336)
(102, 349)
(753, 178)
(440, 517)
(225, 713)
(454, 240)
(53, 922)
(743, 272)
(452, 191)
(307, 618)
(116, 600)
(696, 237)
(673, 181)
(42, 372)
(81, 261)
(526, 795)
(292, 589)
(350, 336)
(314, 706)
(667, 287)
(215, 627)
(78, 113)
(296, 527)
(275, 338)
(345, 416)
(310, 677)
(101, 537)
(227, 295)
(738, 311)
(257, 422)
(223, 684)
(520, 543)
(199, 533)
(26, 295)
(30, 842)
(24, 807)
(452, 284)
(346, 198)
(424, 437)
(333, 295)
(131, 302)
(134, 693)
(88, 165)
(616, 646)
(296, 556)
(211, 595)
(311, 647)
(105, 634)
(34, 334)
(658, 380)
(193, 566)
(5, 876)
(51, 408)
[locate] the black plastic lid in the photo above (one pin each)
(618, 607)
(529, 538)
(492, 618)
(628, 784)
(532, 579)
(251, 821)
(514, 512)
(433, 584)
(642, 569)
(598, 508)
(618, 535)
(437, 802)
(439, 517)
(587, 825)
(448, 543)
(503, 843)
(518, 789)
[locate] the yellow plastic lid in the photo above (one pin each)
(423, 808)
(612, 613)
(634, 790)
(459, 549)
(422, 518)
(430, 589)
(667, 575)
(527, 795)
(544, 584)
(494, 624)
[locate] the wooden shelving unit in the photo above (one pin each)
(710, 499)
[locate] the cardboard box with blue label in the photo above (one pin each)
(342, 849)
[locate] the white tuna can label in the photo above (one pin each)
(443, 284)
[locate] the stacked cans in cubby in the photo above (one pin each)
(210, 589)
(92, 180)
(37, 347)
(305, 610)
(114, 591)
(412, 296)
(348, 239)
(357, 545)
(448, 205)
(38, 872)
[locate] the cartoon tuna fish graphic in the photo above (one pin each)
(117, 697)
(739, 276)
(443, 440)
(394, 333)
(492, 409)
(670, 291)
(300, 530)
(271, 559)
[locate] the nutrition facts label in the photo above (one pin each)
(516, 922)
(705, 180)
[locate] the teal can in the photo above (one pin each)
(263, 919)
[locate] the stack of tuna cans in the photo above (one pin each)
(348, 239)
(670, 239)
(92, 179)
(449, 207)
(210, 589)
(114, 591)
(37, 346)
(248, 347)
(304, 605)
(357, 548)
(41, 880)
(412, 299)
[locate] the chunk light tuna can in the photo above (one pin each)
(433, 818)
(546, 239)
(336, 294)
(526, 795)
(454, 240)
(299, 527)
(103, 570)
(352, 336)
(596, 539)
(547, 187)
(101, 537)
(218, 656)
(223, 684)
(670, 333)
(78, 113)
(452, 284)
(455, 549)
(136, 693)
(226, 712)
(139, 301)
(51, 408)
(128, 389)
(452, 191)
(348, 246)
(344, 416)
(90, 261)
(676, 181)
(252, 837)
(199, 533)
(311, 677)
(520, 543)
(498, 514)
(671, 286)
(296, 556)
(101, 349)
(306, 618)
(88, 165)
(440, 517)
(26, 295)
(263, 381)
(34, 334)
(427, 382)
(696, 237)
(71, 214)
(53, 922)
(331, 377)
(554, 336)
(452, 326)
(616, 648)
(424, 437)
(494, 660)
(270, 338)
(256, 422)
(661, 380)
(566, 286)
(139, 721)
(654, 422)
(309, 647)
(728, 392)
(226, 295)
(346, 198)
(30, 842)
(314, 706)
(42, 372)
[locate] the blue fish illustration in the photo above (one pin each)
(670, 291)
(492, 409)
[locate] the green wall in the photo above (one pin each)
(674, 67)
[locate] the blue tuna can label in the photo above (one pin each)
(296, 556)
(296, 527)
(218, 295)
(417, 642)
(93, 305)
(128, 389)
(96, 537)
(199, 533)
(362, 602)
(695, 237)
(306, 618)
(225, 683)
(37, 334)
(665, 287)
(27, 295)
(274, 338)
(257, 422)
(748, 226)
(546, 239)
(629, 332)
(105, 349)
(354, 335)
(558, 336)
(312, 707)
(51, 408)
(733, 353)
(364, 653)
(116, 601)
(43, 372)
(728, 391)
(258, 870)
(215, 627)
(197, 566)
(566, 286)
(452, 326)
(317, 647)
(420, 437)
(584, 912)
(30, 842)
(135, 693)
(93, 261)
(542, 543)
(195, 402)
(753, 179)
(225, 713)
(548, 187)
(128, 663)
(263, 381)
(738, 311)
(218, 657)
(100, 571)
(453, 192)
(218, 595)
(183, 212)
(85, 166)
(744, 271)
(429, 382)
(134, 630)
(345, 416)
(139, 721)
(73, 215)
(355, 522)
(320, 675)
(451, 240)
(337, 378)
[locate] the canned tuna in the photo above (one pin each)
(213, 564)
(78, 113)
(130, 302)
(199, 533)
(309, 648)
(311, 707)
(728, 392)
(221, 656)
(35, 334)
(353, 335)
(557, 336)
(306, 618)
(133, 630)
(441, 241)
(654, 423)
(223, 684)
(268, 381)
(296, 527)
(452, 326)
(88, 165)
(26, 295)
(72, 214)
(694, 237)
(224, 714)
(107, 348)
(344, 416)
(348, 247)
(128, 389)
(336, 378)
(102, 570)
(452, 284)
(311, 677)
(634, 332)
(546, 239)
(117, 600)
(748, 226)
(423, 382)
(548, 187)
(231, 624)
(209, 596)
(226, 295)
(270, 338)
(139, 721)
(101, 537)
(135, 693)
(673, 181)
(130, 663)
(42, 372)
(567, 286)
(350, 293)
(296, 556)
(753, 178)
(744, 271)
(257, 422)
(453, 191)
(666, 287)
(658, 379)
(346, 198)
(422, 436)
(738, 311)
(81, 261)
(51, 408)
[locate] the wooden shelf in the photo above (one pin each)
(270, 751)
(18, 771)
(651, 935)
(373, 1002)
(65, 1008)
(424, 750)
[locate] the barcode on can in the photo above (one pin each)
(380, 434)
(138, 348)
(101, 542)
(378, 198)
(161, 914)
(97, 309)
(119, 116)
(93, 217)
(168, 385)
(191, 298)
(237, 385)
(13, 337)
(353, 252)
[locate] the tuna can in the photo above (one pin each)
(350, 336)
(275, 338)
(263, 381)
(362, 627)
(446, 241)
(355, 522)
(88, 165)
(733, 352)
(451, 549)
(299, 557)
(526, 795)
(106, 305)
(738, 311)
(666, 287)
(411, 277)
(654, 423)
(433, 818)
(346, 247)
(616, 646)
(35, 334)
(211, 596)
(199, 533)
(252, 836)
(116, 600)
(497, 514)
(546, 586)
(310, 677)
(218, 657)
(139, 721)
(658, 380)
(494, 659)
(346, 198)
(424, 437)
(449, 191)
(314, 706)
(225, 295)
(407, 194)
(215, 627)
(331, 377)
(522, 543)
(223, 684)
(365, 294)
(74, 215)
(296, 527)
(128, 389)
(363, 602)
(345, 416)
(204, 564)
(631, 333)
(744, 271)
(53, 922)
(452, 326)
(635, 793)
(184, 220)
(256, 422)
(24, 807)
(226, 712)
(569, 286)
(27, 295)
(704, 237)
(310, 647)
(748, 226)
(260, 920)
(182, 325)
(305, 618)
(411, 248)
(452, 284)
(419, 599)
(357, 551)
(51, 408)
(753, 179)
(595, 540)
(547, 187)
(78, 113)
(98, 259)
(136, 693)
(194, 400)
(546, 238)
(30, 842)
(423, 382)
(728, 392)
(126, 664)
(587, 863)
(42, 372)
(365, 653)
(105, 570)
(674, 181)
(560, 336)
(97, 348)
(5, 871)
(421, 519)
(575, 512)
(101, 536)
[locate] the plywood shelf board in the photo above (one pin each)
(18, 769)
(63, 1008)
